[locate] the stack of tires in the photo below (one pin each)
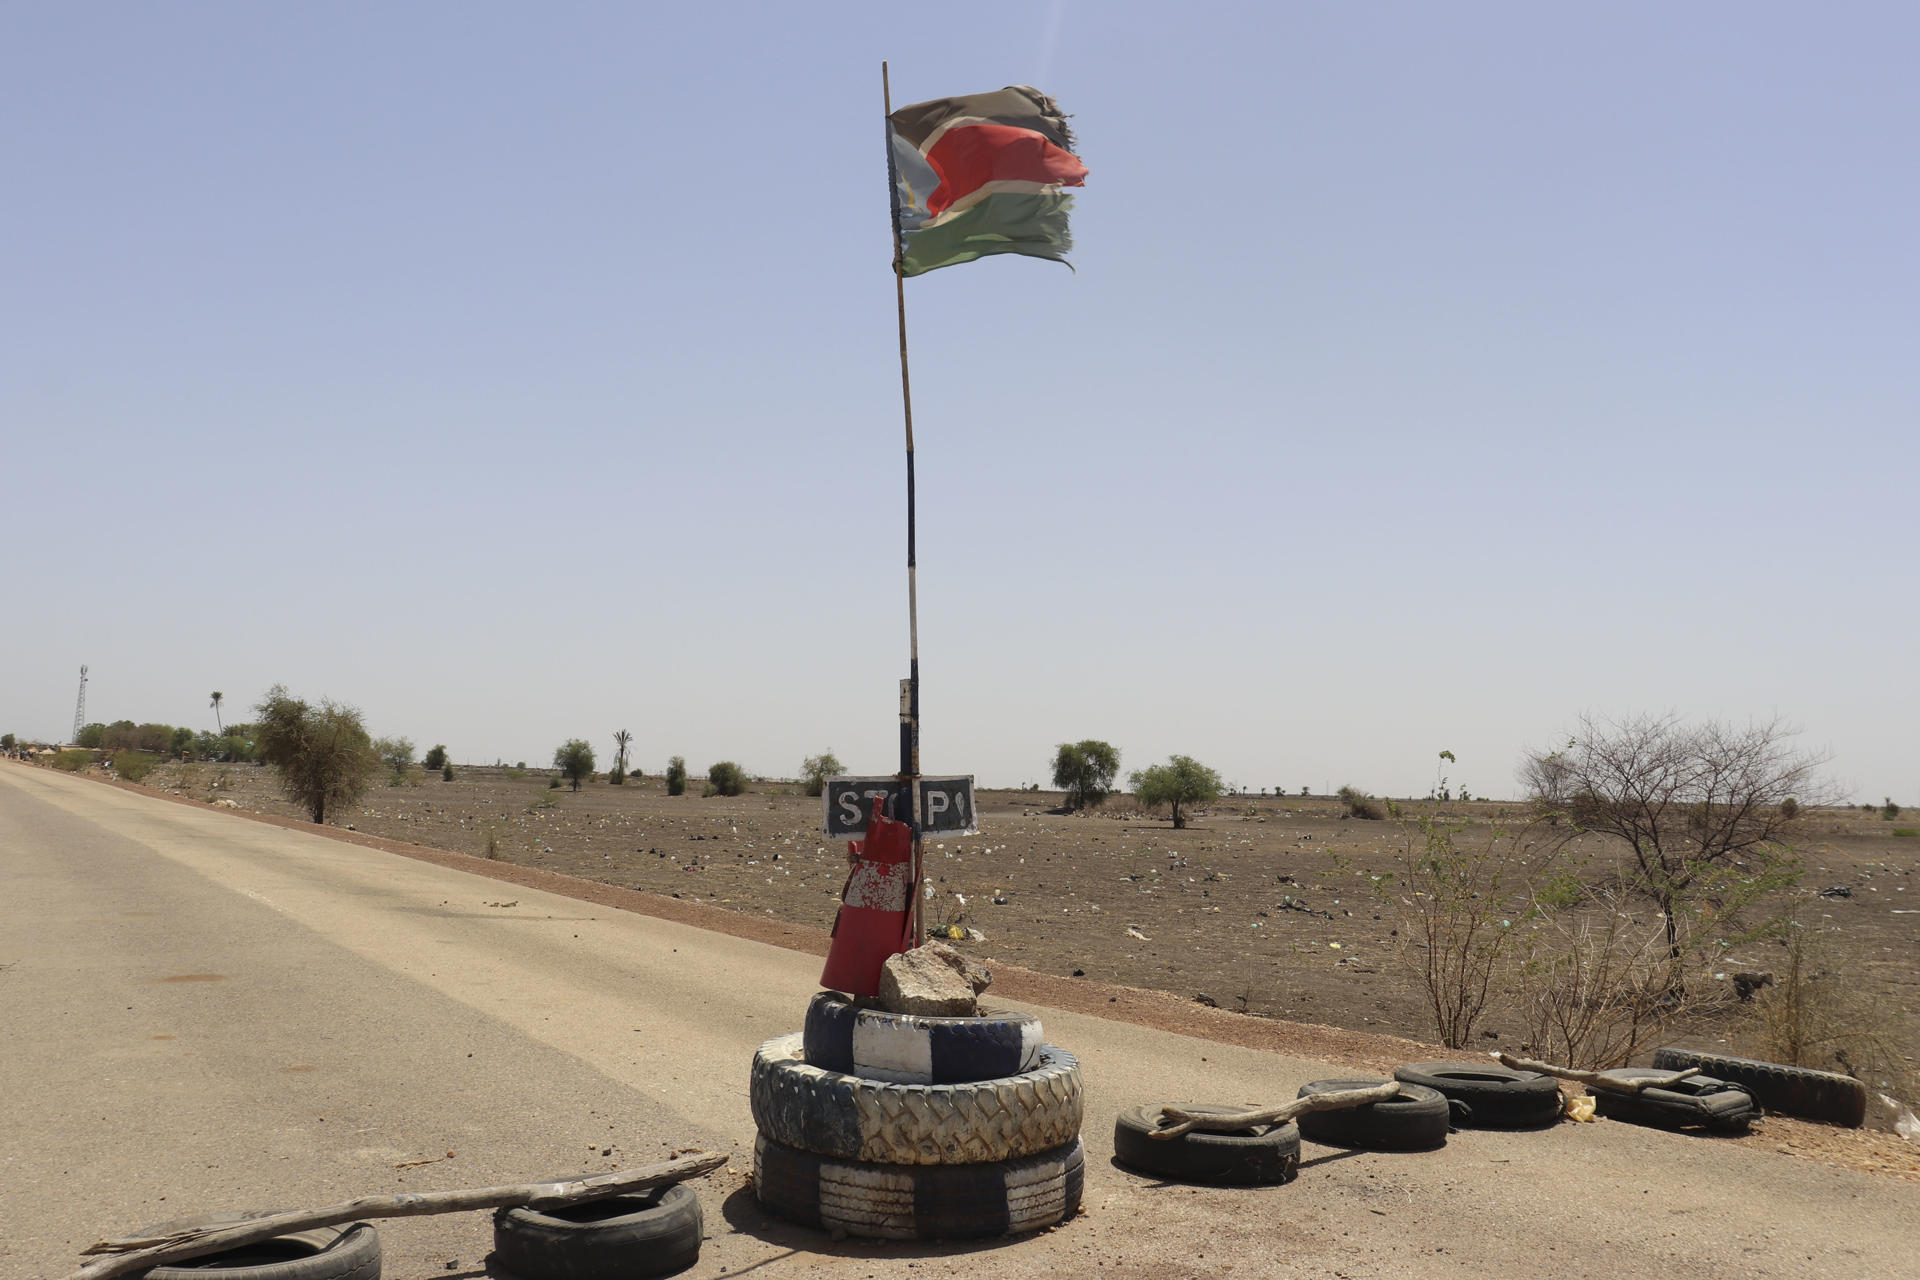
(902, 1127)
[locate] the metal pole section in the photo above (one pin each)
(910, 695)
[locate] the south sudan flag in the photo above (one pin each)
(979, 175)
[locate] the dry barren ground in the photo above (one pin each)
(1261, 907)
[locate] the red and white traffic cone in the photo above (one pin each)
(874, 906)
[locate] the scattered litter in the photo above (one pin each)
(1135, 933)
(1837, 891)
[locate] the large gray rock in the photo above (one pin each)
(925, 984)
(978, 976)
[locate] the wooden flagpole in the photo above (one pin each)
(910, 690)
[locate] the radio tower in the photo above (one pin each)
(80, 708)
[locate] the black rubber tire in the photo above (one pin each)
(877, 1122)
(648, 1233)
(1698, 1100)
(920, 1202)
(1497, 1097)
(1265, 1155)
(1417, 1120)
(351, 1252)
(1792, 1091)
(907, 1049)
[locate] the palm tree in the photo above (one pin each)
(620, 740)
(217, 695)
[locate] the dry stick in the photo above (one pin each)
(1596, 1079)
(137, 1254)
(1185, 1120)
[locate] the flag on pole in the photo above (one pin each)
(980, 175)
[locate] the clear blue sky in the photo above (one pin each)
(1432, 374)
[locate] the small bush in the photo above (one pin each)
(134, 765)
(1889, 811)
(545, 800)
(677, 776)
(73, 761)
(817, 769)
(517, 773)
(725, 779)
(436, 757)
(446, 772)
(491, 850)
(1789, 808)
(553, 784)
(1907, 833)
(617, 776)
(1361, 805)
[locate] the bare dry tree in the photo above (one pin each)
(1692, 802)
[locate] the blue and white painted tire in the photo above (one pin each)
(850, 1118)
(907, 1049)
(919, 1202)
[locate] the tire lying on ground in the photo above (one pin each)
(919, 1202)
(349, 1252)
(831, 1114)
(908, 1049)
(1793, 1091)
(646, 1233)
(1496, 1097)
(1698, 1100)
(1263, 1155)
(1417, 1120)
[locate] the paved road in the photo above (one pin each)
(202, 1011)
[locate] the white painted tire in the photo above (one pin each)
(875, 1121)
(911, 1049)
(919, 1202)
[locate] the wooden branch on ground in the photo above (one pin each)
(1186, 1120)
(1596, 1079)
(139, 1253)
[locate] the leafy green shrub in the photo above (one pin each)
(7, 741)
(1085, 771)
(134, 765)
(677, 776)
(617, 776)
(817, 769)
(553, 784)
(516, 773)
(725, 779)
(321, 751)
(574, 759)
(1181, 782)
(1360, 805)
(446, 772)
(1889, 811)
(436, 757)
(73, 761)
(1789, 808)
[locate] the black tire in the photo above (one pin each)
(1698, 1100)
(351, 1252)
(908, 1049)
(1264, 1155)
(1497, 1097)
(876, 1122)
(1417, 1120)
(1792, 1091)
(648, 1233)
(919, 1202)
